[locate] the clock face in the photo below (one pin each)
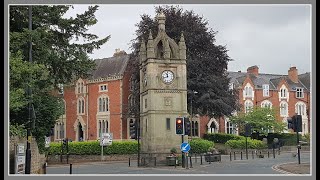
(167, 76)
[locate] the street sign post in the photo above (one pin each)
(105, 140)
(20, 159)
(47, 142)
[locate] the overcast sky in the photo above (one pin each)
(273, 37)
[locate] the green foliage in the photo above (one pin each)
(241, 144)
(200, 145)
(94, 148)
(260, 119)
(206, 61)
(53, 39)
(18, 130)
(56, 59)
(173, 150)
(286, 139)
(221, 137)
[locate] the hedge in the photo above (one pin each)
(94, 148)
(200, 145)
(285, 139)
(241, 144)
(221, 137)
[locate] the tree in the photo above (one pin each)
(261, 120)
(57, 58)
(206, 61)
(55, 40)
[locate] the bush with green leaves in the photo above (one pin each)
(241, 144)
(221, 137)
(200, 145)
(94, 148)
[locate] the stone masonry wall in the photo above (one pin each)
(37, 159)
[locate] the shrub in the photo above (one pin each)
(221, 137)
(200, 145)
(94, 148)
(241, 144)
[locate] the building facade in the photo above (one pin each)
(98, 104)
(288, 94)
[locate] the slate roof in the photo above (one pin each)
(237, 78)
(112, 66)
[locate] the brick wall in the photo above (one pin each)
(37, 159)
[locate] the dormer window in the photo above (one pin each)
(299, 93)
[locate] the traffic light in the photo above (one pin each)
(298, 123)
(187, 126)
(133, 129)
(179, 126)
(295, 123)
(291, 124)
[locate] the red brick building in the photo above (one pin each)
(100, 103)
(289, 94)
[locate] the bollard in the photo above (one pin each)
(175, 162)
(274, 154)
(70, 168)
(186, 161)
(252, 154)
(200, 159)
(45, 168)
(195, 157)
(190, 161)
(230, 156)
(209, 158)
(155, 161)
(268, 154)
(241, 155)
(234, 155)
(129, 162)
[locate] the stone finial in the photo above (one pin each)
(142, 52)
(161, 21)
(182, 47)
(150, 46)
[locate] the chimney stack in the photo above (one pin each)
(293, 74)
(253, 70)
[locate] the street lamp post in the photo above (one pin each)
(192, 128)
(30, 107)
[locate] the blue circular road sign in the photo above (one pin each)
(185, 147)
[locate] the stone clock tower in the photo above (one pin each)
(163, 90)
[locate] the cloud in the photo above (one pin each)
(274, 37)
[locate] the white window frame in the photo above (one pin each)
(301, 108)
(248, 106)
(284, 112)
(265, 90)
(103, 126)
(81, 108)
(103, 88)
(80, 87)
(266, 103)
(299, 92)
(103, 103)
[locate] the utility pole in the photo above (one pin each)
(30, 108)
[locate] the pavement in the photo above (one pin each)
(281, 164)
(294, 168)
